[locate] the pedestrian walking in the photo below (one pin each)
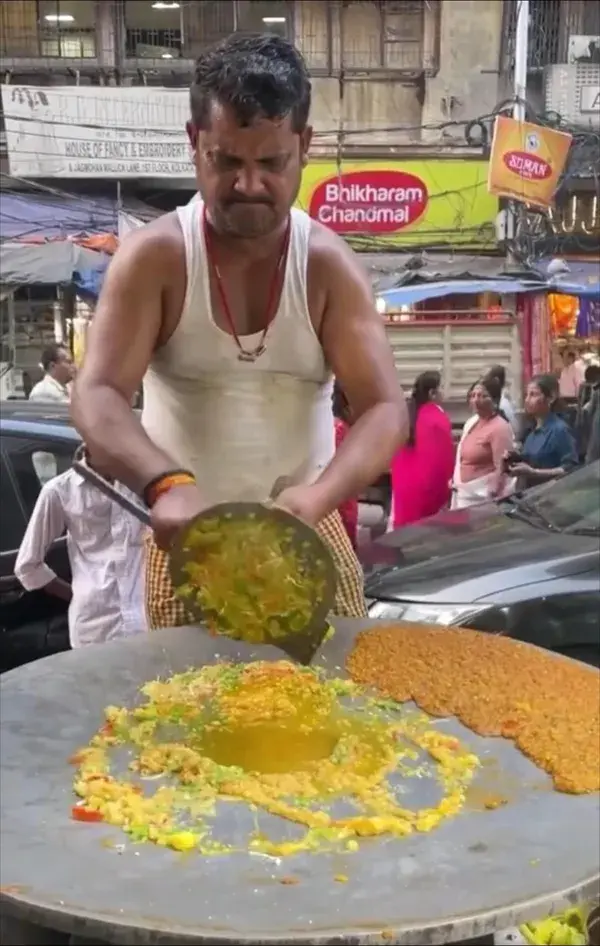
(422, 469)
(549, 450)
(507, 407)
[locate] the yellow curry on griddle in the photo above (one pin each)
(281, 739)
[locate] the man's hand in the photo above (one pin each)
(60, 589)
(173, 511)
(305, 502)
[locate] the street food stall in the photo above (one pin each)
(474, 838)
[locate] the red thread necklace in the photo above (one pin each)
(243, 353)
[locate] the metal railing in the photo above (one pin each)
(351, 36)
(551, 24)
(45, 30)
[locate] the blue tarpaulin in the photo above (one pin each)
(409, 295)
(578, 278)
(56, 238)
(89, 281)
(567, 288)
(49, 217)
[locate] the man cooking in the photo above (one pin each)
(236, 311)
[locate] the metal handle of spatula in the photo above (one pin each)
(129, 505)
(141, 512)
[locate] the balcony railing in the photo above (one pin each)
(136, 29)
(47, 29)
(351, 36)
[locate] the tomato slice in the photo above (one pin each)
(80, 813)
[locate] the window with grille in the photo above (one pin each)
(546, 40)
(69, 46)
(361, 34)
(167, 30)
(67, 29)
(153, 30)
(382, 35)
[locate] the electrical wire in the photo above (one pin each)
(526, 243)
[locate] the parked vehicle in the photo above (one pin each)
(36, 442)
(527, 566)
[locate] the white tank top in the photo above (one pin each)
(239, 426)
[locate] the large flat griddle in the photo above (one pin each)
(481, 871)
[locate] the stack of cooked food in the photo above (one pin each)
(549, 706)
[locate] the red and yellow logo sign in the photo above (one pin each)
(526, 161)
(369, 201)
(402, 202)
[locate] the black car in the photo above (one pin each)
(36, 443)
(527, 567)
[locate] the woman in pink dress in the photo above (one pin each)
(422, 469)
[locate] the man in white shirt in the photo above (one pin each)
(59, 371)
(106, 553)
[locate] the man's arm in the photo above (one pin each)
(124, 332)
(47, 524)
(355, 343)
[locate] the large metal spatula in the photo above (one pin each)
(316, 568)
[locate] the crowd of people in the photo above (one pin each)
(500, 449)
(498, 452)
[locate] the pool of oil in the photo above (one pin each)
(493, 787)
(268, 748)
(292, 744)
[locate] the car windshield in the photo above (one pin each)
(572, 503)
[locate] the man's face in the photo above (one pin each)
(63, 369)
(248, 177)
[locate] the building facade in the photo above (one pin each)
(391, 78)
(563, 79)
(95, 102)
(386, 74)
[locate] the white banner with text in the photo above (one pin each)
(75, 131)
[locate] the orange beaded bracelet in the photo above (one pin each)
(167, 481)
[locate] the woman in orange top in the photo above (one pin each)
(480, 471)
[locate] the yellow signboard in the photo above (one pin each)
(526, 161)
(423, 202)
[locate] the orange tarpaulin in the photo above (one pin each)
(101, 242)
